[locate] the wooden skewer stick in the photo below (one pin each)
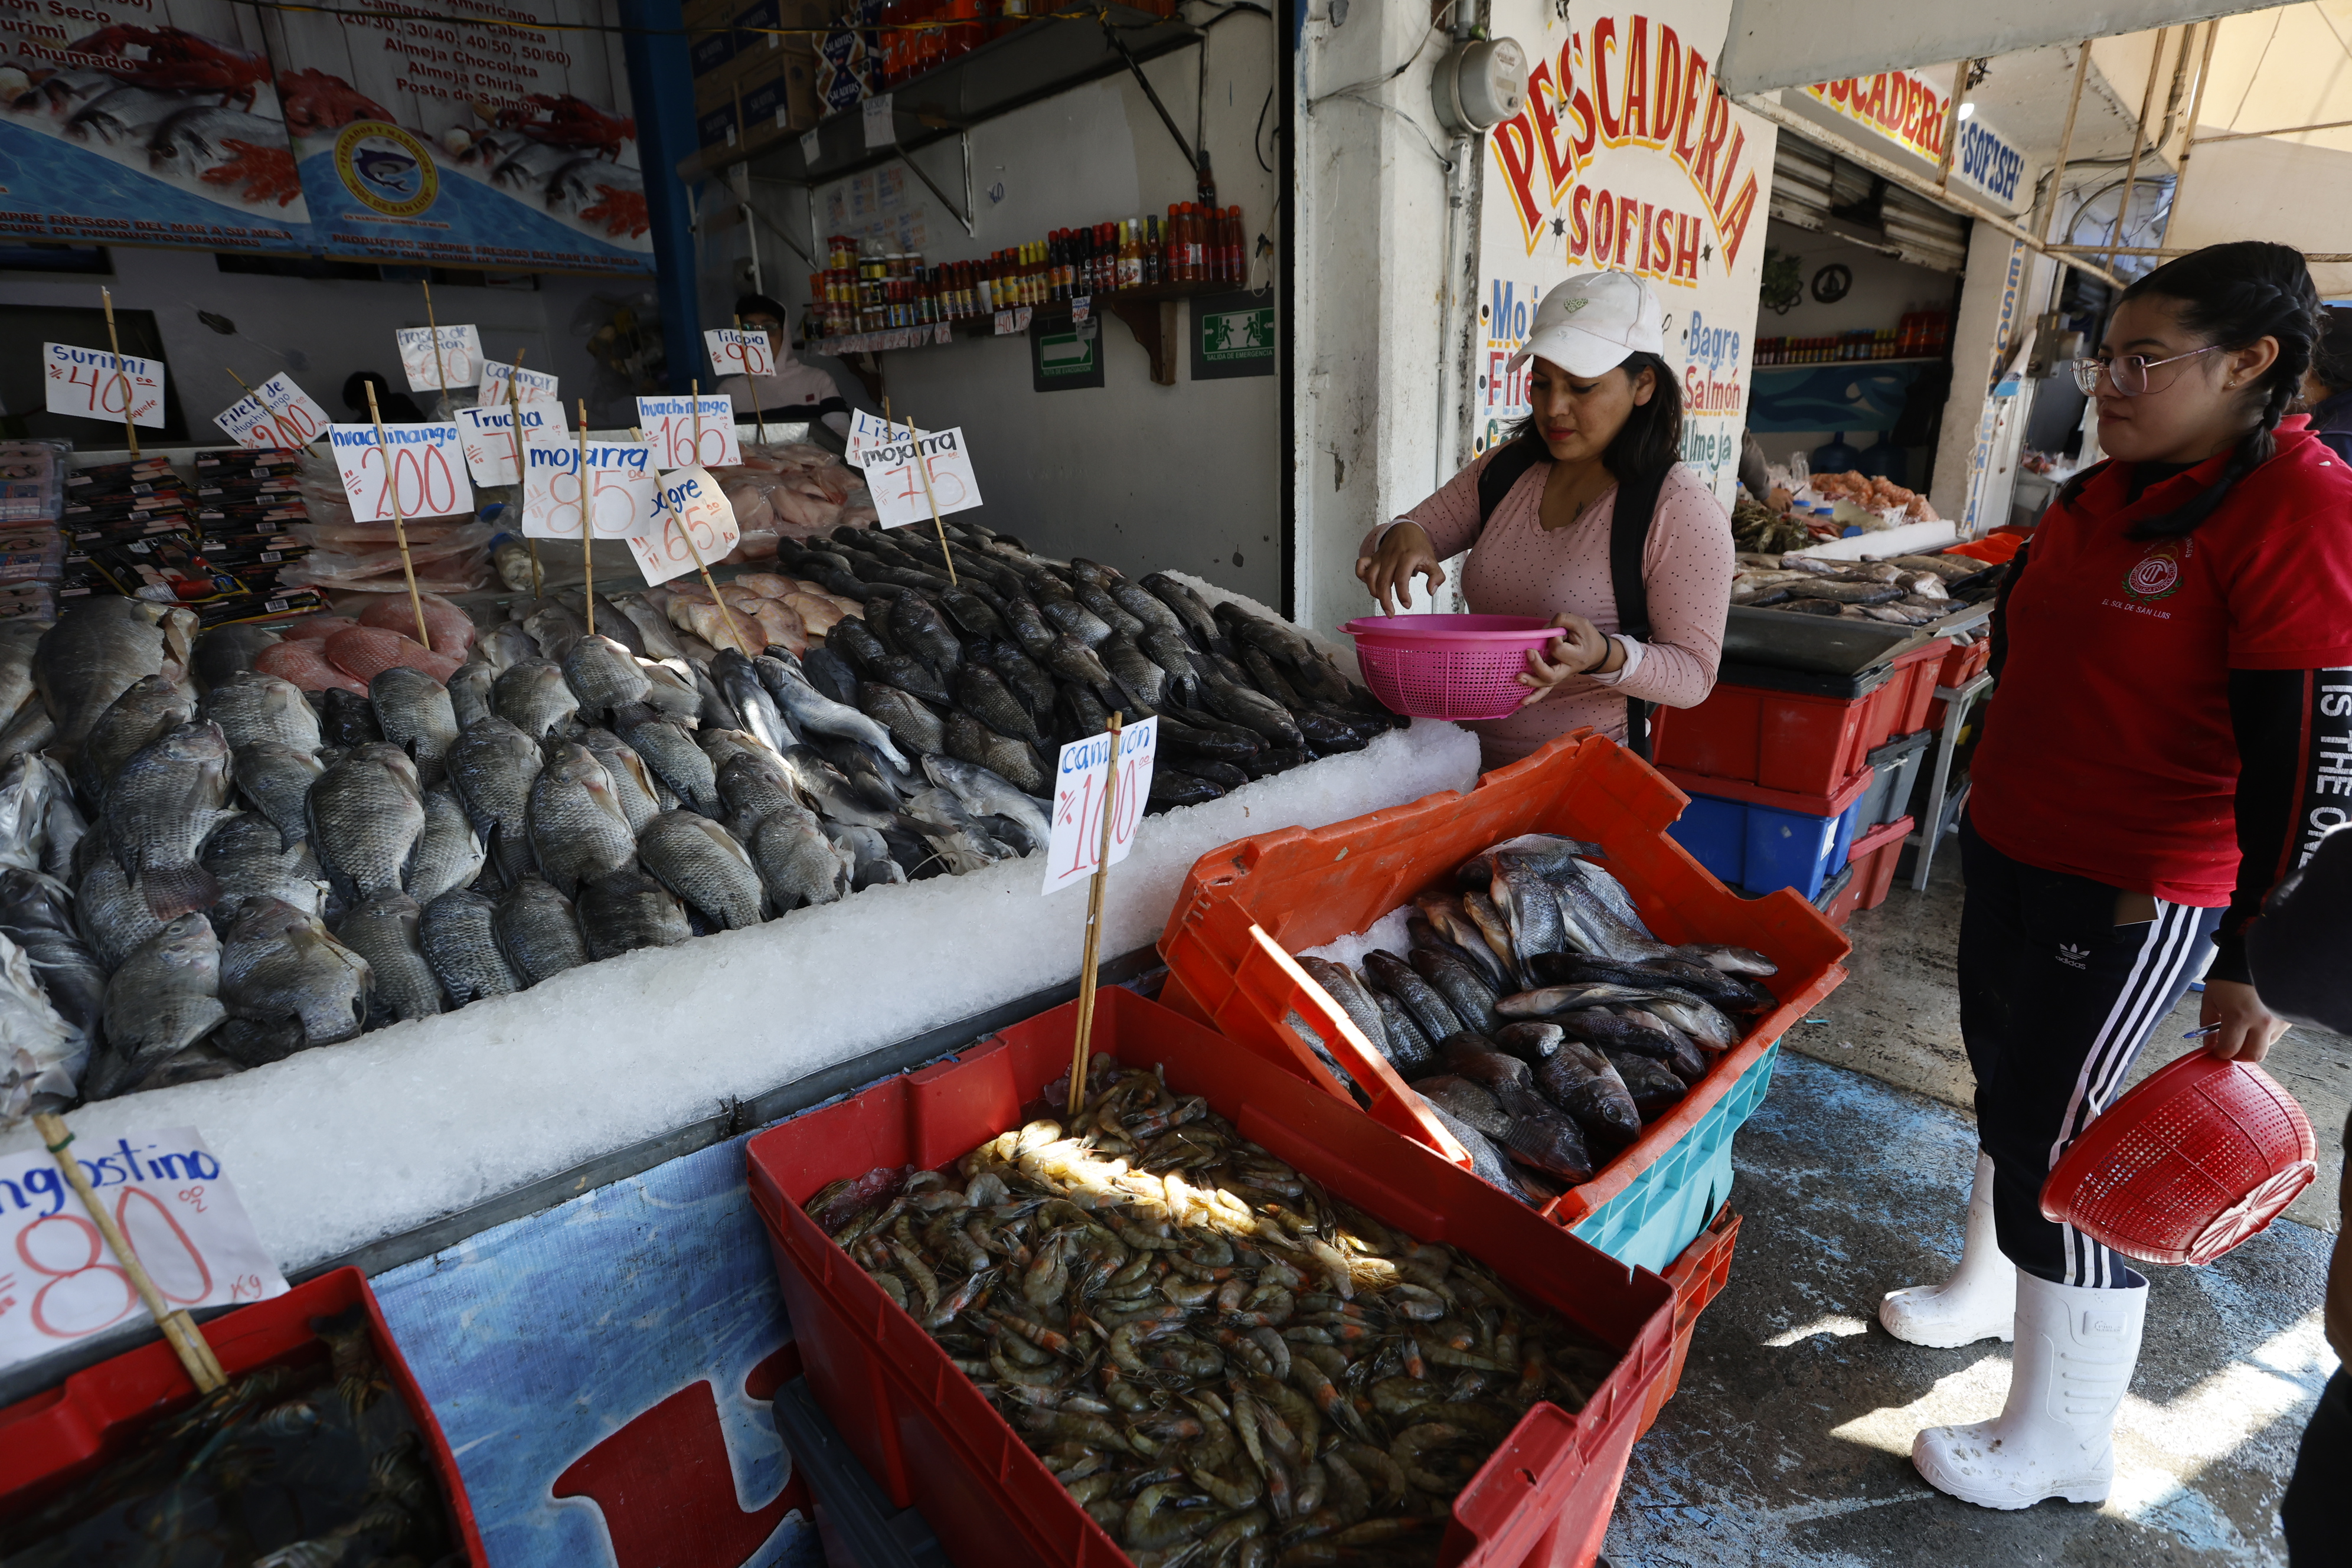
(587, 528)
(399, 527)
(1080, 1048)
(734, 632)
(433, 330)
(187, 1340)
(129, 430)
(759, 415)
(924, 468)
(514, 412)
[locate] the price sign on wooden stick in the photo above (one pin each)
(1102, 820)
(278, 412)
(149, 1218)
(92, 383)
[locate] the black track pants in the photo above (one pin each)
(2056, 1000)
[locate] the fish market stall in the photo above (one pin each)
(377, 1046)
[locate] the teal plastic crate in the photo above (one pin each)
(1649, 1224)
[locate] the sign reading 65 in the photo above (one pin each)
(689, 506)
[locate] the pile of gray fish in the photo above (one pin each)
(1221, 1362)
(203, 867)
(1538, 1015)
(1907, 591)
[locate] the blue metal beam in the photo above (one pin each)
(661, 84)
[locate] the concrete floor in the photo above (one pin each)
(1789, 1442)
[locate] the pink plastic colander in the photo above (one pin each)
(1447, 666)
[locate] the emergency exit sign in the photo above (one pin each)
(1065, 355)
(1232, 336)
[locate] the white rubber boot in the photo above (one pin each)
(2076, 1350)
(1977, 1302)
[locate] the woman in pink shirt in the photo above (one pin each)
(1606, 411)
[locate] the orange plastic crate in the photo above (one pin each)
(1698, 1277)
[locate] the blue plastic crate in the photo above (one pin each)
(1649, 1224)
(1761, 848)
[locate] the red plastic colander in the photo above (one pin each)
(2194, 1160)
(1447, 666)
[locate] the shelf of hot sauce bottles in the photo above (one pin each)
(1194, 249)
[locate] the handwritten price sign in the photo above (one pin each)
(623, 489)
(690, 503)
(896, 472)
(669, 424)
(1081, 785)
(86, 385)
(427, 472)
(490, 438)
(460, 358)
(734, 353)
(60, 1281)
(276, 414)
(868, 431)
(530, 386)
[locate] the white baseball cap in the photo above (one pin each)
(1589, 324)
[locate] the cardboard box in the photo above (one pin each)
(815, 16)
(757, 101)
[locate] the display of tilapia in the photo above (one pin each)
(1538, 1016)
(368, 833)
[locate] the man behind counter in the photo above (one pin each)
(804, 386)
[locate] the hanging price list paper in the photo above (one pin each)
(59, 1282)
(460, 360)
(490, 438)
(87, 385)
(623, 489)
(734, 353)
(1081, 783)
(276, 414)
(530, 386)
(691, 505)
(669, 427)
(896, 474)
(427, 473)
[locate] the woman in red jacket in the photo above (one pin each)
(2168, 739)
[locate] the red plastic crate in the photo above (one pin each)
(53, 1440)
(1245, 908)
(1793, 741)
(1961, 665)
(1698, 1277)
(1873, 859)
(925, 1434)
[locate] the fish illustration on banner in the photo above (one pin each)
(507, 143)
(145, 122)
(1628, 157)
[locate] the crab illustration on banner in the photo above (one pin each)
(1628, 157)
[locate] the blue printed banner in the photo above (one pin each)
(498, 137)
(603, 1372)
(145, 122)
(1855, 395)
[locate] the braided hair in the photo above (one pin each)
(2233, 296)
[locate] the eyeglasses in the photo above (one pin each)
(2129, 373)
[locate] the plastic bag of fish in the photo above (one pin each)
(1222, 1364)
(1538, 1017)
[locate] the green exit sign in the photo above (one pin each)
(1232, 336)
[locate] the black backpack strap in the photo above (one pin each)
(1628, 535)
(1505, 468)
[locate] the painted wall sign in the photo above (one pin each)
(1910, 112)
(1628, 157)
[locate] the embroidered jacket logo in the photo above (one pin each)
(2155, 575)
(2073, 957)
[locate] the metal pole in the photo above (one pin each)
(2139, 137)
(2067, 137)
(2196, 105)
